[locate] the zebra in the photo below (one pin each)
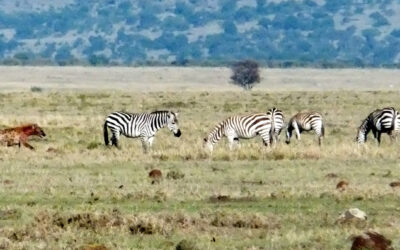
(243, 127)
(306, 121)
(277, 123)
(142, 125)
(386, 120)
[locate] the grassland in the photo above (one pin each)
(82, 193)
(216, 79)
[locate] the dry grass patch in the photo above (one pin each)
(281, 197)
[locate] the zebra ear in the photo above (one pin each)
(176, 114)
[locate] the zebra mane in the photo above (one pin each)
(165, 113)
(161, 112)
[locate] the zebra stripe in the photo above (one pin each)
(142, 125)
(386, 120)
(240, 127)
(306, 121)
(277, 123)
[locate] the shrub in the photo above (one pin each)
(246, 74)
(93, 145)
(175, 175)
(36, 89)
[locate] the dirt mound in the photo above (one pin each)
(342, 185)
(372, 241)
(187, 245)
(244, 221)
(155, 174)
(94, 247)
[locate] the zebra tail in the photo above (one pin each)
(394, 119)
(272, 130)
(105, 131)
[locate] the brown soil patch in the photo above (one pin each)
(331, 175)
(8, 182)
(245, 221)
(227, 198)
(94, 247)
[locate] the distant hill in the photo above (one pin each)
(284, 33)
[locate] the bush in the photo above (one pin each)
(175, 175)
(36, 89)
(246, 74)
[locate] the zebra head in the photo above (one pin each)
(362, 132)
(173, 124)
(289, 131)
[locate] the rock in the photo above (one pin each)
(353, 214)
(372, 241)
(52, 150)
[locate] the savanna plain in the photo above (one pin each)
(73, 192)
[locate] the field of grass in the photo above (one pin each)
(82, 193)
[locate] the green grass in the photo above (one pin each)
(279, 198)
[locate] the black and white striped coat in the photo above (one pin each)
(306, 121)
(386, 120)
(277, 123)
(142, 125)
(241, 127)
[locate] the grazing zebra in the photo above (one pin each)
(142, 125)
(305, 121)
(386, 120)
(243, 127)
(277, 123)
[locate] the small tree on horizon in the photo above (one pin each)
(246, 74)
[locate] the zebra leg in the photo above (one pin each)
(378, 137)
(151, 139)
(231, 142)
(236, 140)
(277, 135)
(115, 139)
(265, 138)
(145, 144)
(318, 131)
(297, 130)
(393, 136)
